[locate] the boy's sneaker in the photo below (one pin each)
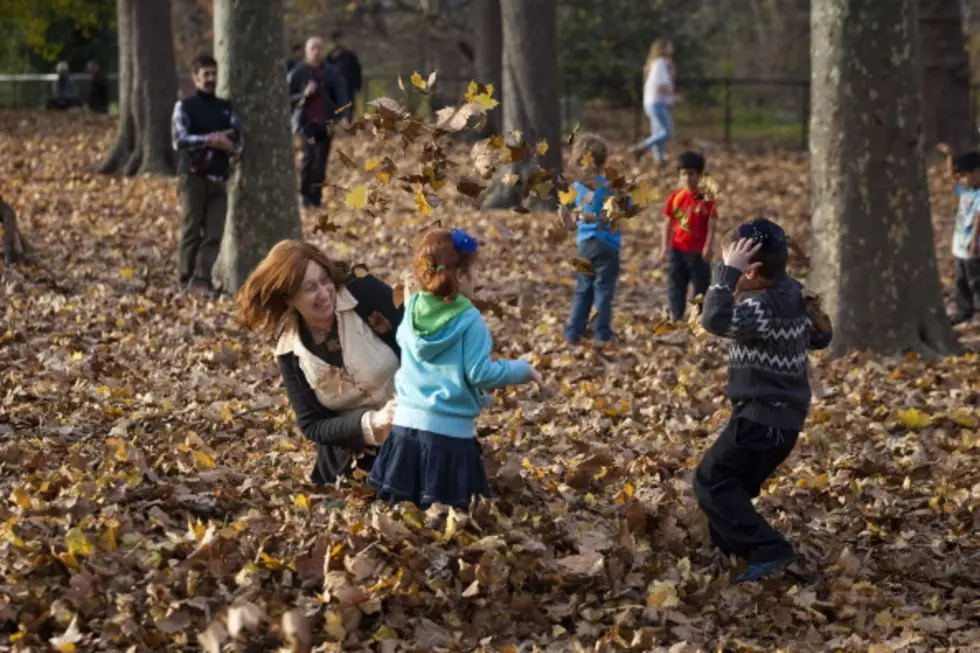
(759, 570)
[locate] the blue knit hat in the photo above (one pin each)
(768, 233)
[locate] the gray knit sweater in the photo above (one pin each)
(772, 334)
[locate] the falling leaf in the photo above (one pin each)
(398, 295)
(583, 265)
(422, 203)
(567, 197)
(126, 273)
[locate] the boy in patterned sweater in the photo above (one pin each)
(755, 303)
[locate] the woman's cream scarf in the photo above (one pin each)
(367, 378)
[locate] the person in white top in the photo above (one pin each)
(658, 97)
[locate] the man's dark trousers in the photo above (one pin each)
(203, 205)
(313, 164)
(967, 287)
(730, 475)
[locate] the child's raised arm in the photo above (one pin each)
(721, 316)
(484, 373)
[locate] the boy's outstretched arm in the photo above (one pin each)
(722, 316)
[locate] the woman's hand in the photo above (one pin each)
(381, 422)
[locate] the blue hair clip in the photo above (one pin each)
(463, 242)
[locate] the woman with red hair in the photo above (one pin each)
(336, 350)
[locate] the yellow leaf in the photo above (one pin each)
(384, 633)
(629, 490)
(357, 197)
(333, 623)
(485, 101)
(107, 540)
(964, 417)
(542, 147)
(126, 273)
(643, 195)
(269, 561)
(450, 531)
(418, 82)
(67, 647)
(77, 543)
(16, 636)
(471, 89)
(21, 498)
(203, 459)
(422, 203)
(119, 446)
(76, 356)
(914, 418)
(566, 197)
(372, 164)
(301, 502)
(662, 596)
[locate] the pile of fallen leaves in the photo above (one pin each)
(155, 493)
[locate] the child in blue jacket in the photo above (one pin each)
(432, 455)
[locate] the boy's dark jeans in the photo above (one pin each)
(313, 164)
(685, 268)
(203, 205)
(729, 476)
(598, 289)
(967, 287)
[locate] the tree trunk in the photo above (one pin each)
(874, 261)
(15, 246)
(489, 55)
(262, 206)
(531, 87)
(147, 90)
(947, 109)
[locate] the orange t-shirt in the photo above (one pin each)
(690, 215)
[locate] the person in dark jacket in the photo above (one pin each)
(294, 57)
(336, 350)
(98, 93)
(206, 134)
(347, 64)
(319, 98)
(773, 326)
(64, 91)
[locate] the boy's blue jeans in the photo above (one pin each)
(598, 289)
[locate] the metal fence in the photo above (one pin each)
(711, 110)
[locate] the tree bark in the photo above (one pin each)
(262, 206)
(874, 261)
(147, 90)
(531, 87)
(947, 110)
(15, 246)
(488, 37)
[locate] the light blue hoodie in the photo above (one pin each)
(439, 385)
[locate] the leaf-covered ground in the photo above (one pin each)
(153, 487)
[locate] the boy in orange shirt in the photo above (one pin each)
(689, 234)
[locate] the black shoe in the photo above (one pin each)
(760, 570)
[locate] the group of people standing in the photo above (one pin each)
(65, 93)
(207, 133)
